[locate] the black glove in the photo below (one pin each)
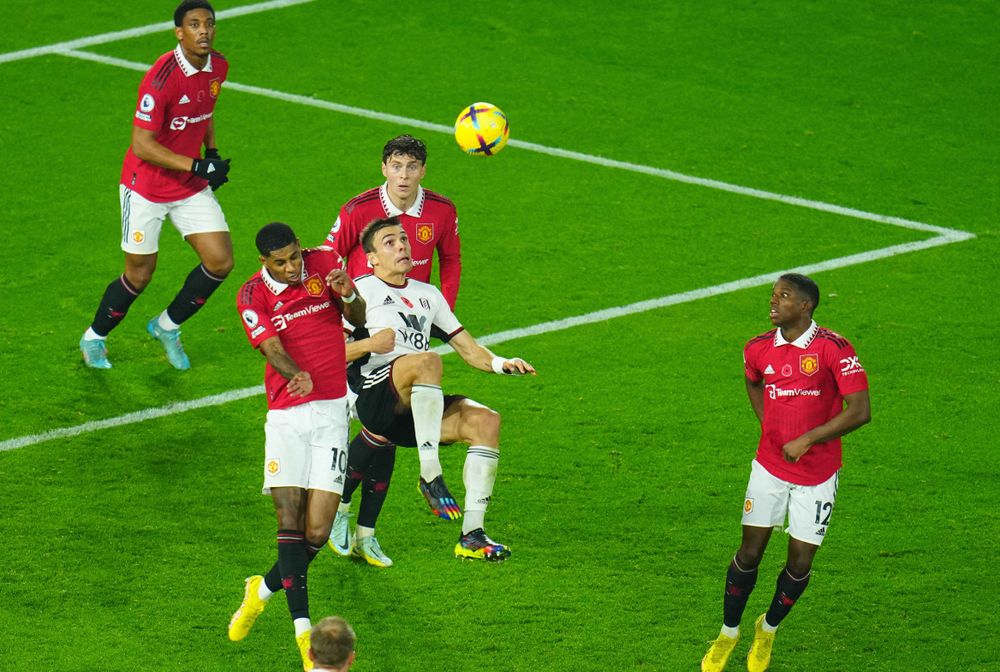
(212, 153)
(212, 169)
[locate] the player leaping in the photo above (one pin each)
(399, 392)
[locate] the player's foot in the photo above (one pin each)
(95, 353)
(760, 651)
(171, 340)
(439, 499)
(718, 654)
(368, 549)
(243, 619)
(477, 546)
(341, 542)
(303, 642)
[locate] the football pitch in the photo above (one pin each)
(668, 161)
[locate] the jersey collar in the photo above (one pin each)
(275, 286)
(392, 211)
(802, 341)
(186, 66)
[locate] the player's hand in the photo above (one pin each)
(795, 449)
(213, 153)
(340, 282)
(300, 384)
(515, 366)
(382, 342)
(215, 170)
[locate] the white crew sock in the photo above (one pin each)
(731, 632)
(361, 531)
(166, 323)
(263, 592)
(427, 405)
(479, 475)
(302, 625)
(91, 335)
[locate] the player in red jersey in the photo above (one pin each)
(431, 223)
(165, 175)
(292, 311)
(808, 389)
(429, 219)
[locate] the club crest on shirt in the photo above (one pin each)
(808, 364)
(314, 286)
(425, 232)
(425, 303)
(214, 87)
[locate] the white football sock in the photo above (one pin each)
(361, 531)
(166, 323)
(263, 592)
(427, 405)
(302, 625)
(91, 335)
(345, 507)
(731, 632)
(479, 475)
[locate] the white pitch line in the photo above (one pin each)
(500, 337)
(162, 26)
(953, 234)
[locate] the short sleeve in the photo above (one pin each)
(255, 316)
(750, 364)
(848, 373)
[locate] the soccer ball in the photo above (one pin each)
(481, 129)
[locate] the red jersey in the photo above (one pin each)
(176, 100)
(431, 223)
(308, 321)
(804, 386)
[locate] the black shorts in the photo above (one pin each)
(381, 411)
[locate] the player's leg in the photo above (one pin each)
(141, 224)
(809, 512)
(376, 487)
(470, 422)
(361, 451)
(764, 506)
(200, 221)
(417, 379)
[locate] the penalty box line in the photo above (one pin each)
(494, 339)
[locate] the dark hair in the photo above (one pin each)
(274, 236)
(805, 286)
(368, 233)
(186, 7)
(406, 145)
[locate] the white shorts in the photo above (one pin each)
(142, 218)
(808, 507)
(305, 446)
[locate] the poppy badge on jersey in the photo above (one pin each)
(808, 364)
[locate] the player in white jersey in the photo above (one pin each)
(399, 392)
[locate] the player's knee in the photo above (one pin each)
(316, 535)
(140, 276)
(485, 423)
(749, 557)
(429, 365)
(219, 267)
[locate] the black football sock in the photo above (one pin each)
(739, 585)
(787, 591)
(117, 299)
(359, 455)
(376, 485)
(273, 577)
(198, 286)
(293, 559)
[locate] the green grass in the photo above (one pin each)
(625, 460)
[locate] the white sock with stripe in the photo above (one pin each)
(427, 405)
(479, 475)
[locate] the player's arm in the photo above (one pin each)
(145, 146)
(211, 144)
(449, 250)
(352, 305)
(481, 358)
(856, 412)
(299, 381)
(379, 343)
(755, 391)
